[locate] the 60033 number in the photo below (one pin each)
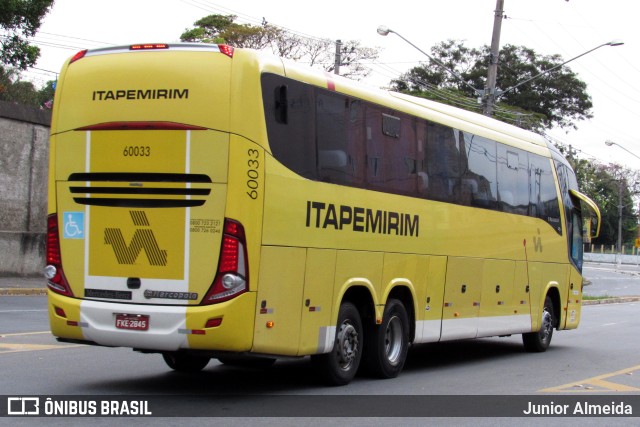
(136, 151)
(253, 174)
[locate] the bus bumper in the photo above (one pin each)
(169, 328)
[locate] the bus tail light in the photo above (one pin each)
(226, 49)
(77, 56)
(233, 273)
(149, 46)
(53, 272)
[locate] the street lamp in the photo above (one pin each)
(491, 96)
(383, 31)
(609, 143)
(611, 43)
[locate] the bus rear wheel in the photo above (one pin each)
(387, 345)
(538, 342)
(340, 365)
(184, 362)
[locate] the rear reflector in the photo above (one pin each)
(213, 323)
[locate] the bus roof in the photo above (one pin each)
(441, 113)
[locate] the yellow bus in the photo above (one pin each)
(211, 202)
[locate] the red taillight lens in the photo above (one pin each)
(226, 49)
(53, 240)
(149, 46)
(56, 280)
(230, 254)
(77, 56)
(233, 274)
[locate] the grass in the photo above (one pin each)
(595, 297)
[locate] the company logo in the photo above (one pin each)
(149, 294)
(23, 406)
(136, 94)
(143, 239)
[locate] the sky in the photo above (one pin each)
(565, 27)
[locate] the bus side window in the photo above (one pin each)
(443, 159)
(290, 126)
(543, 201)
(391, 152)
(421, 158)
(576, 238)
(513, 180)
(480, 177)
(340, 138)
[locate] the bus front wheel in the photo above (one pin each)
(538, 342)
(340, 365)
(183, 362)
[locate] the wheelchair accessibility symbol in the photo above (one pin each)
(74, 225)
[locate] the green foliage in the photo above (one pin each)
(13, 89)
(223, 29)
(555, 99)
(20, 19)
(612, 187)
(315, 52)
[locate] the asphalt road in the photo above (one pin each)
(612, 280)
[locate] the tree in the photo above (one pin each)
(13, 89)
(612, 187)
(20, 19)
(555, 99)
(316, 52)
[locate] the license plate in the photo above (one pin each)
(132, 322)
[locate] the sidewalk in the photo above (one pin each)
(14, 285)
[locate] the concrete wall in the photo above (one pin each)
(612, 258)
(24, 161)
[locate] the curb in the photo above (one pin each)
(613, 300)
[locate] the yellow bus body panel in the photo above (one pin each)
(89, 98)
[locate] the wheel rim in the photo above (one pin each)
(393, 340)
(547, 325)
(348, 345)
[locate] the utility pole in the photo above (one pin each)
(492, 75)
(336, 68)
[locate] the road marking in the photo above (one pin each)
(19, 334)
(16, 348)
(22, 311)
(597, 384)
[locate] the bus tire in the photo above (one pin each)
(184, 362)
(340, 365)
(388, 343)
(538, 342)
